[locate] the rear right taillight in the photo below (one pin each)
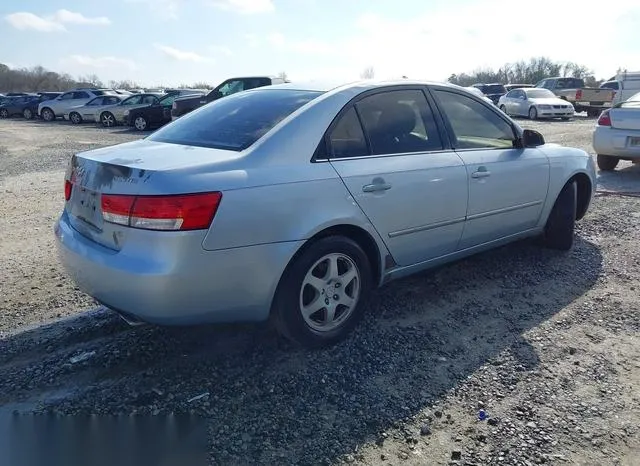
(579, 94)
(174, 212)
(605, 119)
(68, 187)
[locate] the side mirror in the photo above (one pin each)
(531, 138)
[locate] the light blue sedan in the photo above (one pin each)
(293, 202)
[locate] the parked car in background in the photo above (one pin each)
(535, 103)
(617, 134)
(573, 90)
(624, 85)
(510, 87)
(478, 92)
(17, 94)
(157, 114)
(494, 91)
(330, 166)
(30, 109)
(184, 105)
(15, 105)
(116, 114)
(56, 108)
(87, 112)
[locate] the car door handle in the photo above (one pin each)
(481, 174)
(371, 188)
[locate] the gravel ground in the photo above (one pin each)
(543, 344)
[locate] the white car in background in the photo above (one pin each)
(535, 103)
(617, 134)
(87, 112)
(478, 92)
(49, 110)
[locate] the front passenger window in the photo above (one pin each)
(474, 126)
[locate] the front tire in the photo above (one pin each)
(75, 118)
(323, 293)
(47, 114)
(4, 113)
(607, 163)
(560, 227)
(533, 113)
(27, 114)
(140, 123)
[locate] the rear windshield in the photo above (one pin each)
(234, 122)
(494, 89)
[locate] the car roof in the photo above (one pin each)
(326, 86)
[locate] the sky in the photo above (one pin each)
(173, 42)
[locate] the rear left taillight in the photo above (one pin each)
(68, 187)
(579, 94)
(605, 119)
(175, 212)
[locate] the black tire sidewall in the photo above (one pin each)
(27, 114)
(146, 126)
(4, 113)
(560, 228)
(607, 162)
(79, 118)
(287, 315)
(48, 111)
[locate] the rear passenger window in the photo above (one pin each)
(474, 125)
(398, 122)
(347, 138)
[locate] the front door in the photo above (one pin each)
(507, 185)
(388, 151)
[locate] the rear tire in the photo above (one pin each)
(27, 114)
(75, 118)
(593, 112)
(339, 298)
(607, 163)
(560, 227)
(107, 119)
(47, 114)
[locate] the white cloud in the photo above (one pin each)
(221, 50)
(70, 17)
(164, 9)
(245, 7)
(276, 39)
(180, 55)
(100, 62)
(24, 20)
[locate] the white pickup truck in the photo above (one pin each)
(625, 85)
(589, 99)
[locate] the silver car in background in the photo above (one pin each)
(292, 202)
(113, 116)
(535, 103)
(86, 113)
(617, 134)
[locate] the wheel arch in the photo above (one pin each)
(585, 193)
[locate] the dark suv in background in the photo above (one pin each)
(230, 86)
(159, 113)
(494, 91)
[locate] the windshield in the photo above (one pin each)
(539, 93)
(234, 122)
(494, 89)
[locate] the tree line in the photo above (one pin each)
(39, 79)
(526, 72)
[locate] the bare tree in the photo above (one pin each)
(368, 73)
(283, 75)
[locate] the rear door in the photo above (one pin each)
(390, 153)
(507, 185)
(87, 111)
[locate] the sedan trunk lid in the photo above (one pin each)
(626, 116)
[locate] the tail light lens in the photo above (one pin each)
(579, 94)
(68, 187)
(605, 119)
(176, 212)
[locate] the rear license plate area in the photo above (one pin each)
(86, 206)
(634, 142)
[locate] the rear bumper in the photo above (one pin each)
(615, 142)
(167, 278)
